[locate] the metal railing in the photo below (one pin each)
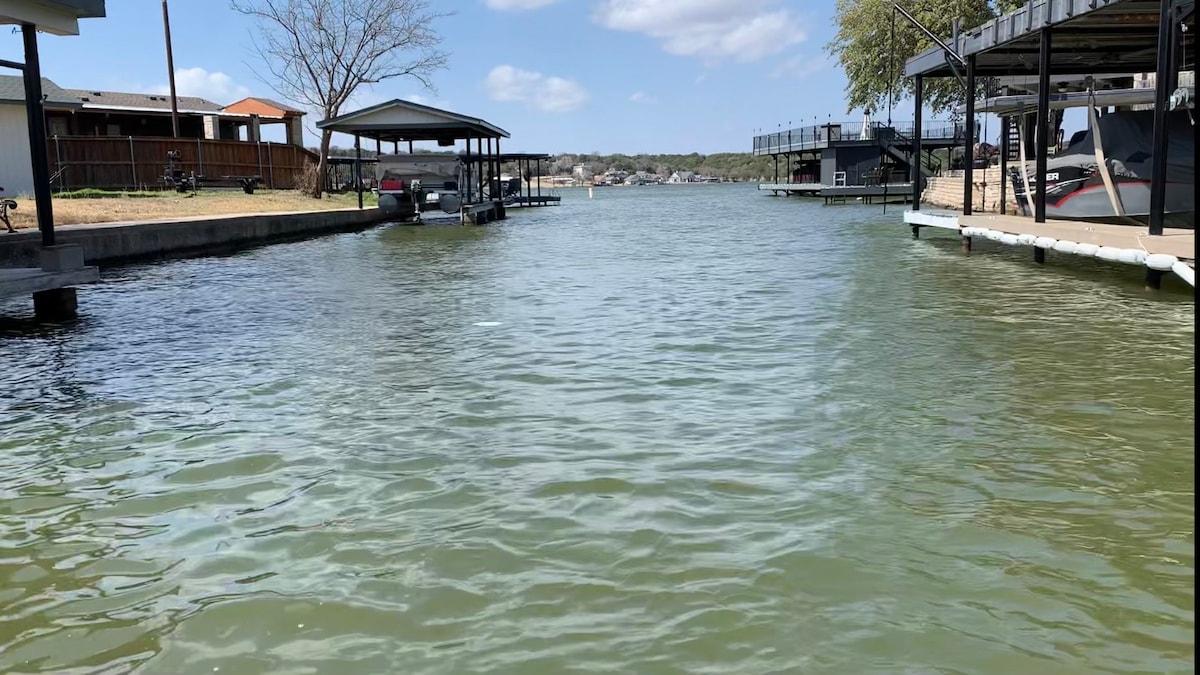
(820, 135)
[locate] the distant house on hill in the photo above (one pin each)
(682, 177)
(643, 178)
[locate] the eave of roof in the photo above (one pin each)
(455, 127)
(1111, 36)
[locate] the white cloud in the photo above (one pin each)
(641, 97)
(431, 101)
(541, 92)
(216, 87)
(518, 4)
(714, 30)
(800, 67)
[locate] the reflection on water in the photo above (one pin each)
(666, 430)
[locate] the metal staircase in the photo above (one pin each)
(1014, 141)
(893, 142)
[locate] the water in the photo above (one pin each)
(667, 430)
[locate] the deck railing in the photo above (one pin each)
(821, 135)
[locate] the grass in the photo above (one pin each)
(92, 193)
(100, 206)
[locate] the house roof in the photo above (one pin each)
(12, 91)
(116, 100)
(269, 102)
(399, 120)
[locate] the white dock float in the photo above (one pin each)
(1172, 251)
(944, 219)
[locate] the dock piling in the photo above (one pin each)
(1154, 278)
(56, 304)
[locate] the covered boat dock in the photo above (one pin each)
(529, 169)
(1053, 40)
(400, 121)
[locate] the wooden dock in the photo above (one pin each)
(31, 280)
(523, 201)
(1174, 250)
(868, 194)
(840, 194)
(802, 189)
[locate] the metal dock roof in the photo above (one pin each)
(1111, 36)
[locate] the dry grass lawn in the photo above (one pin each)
(167, 205)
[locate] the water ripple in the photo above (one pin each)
(616, 436)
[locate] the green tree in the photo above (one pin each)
(874, 62)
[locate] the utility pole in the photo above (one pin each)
(171, 72)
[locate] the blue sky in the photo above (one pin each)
(560, 75)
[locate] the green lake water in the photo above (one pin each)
(684, 429)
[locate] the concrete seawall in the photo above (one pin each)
(108, 243)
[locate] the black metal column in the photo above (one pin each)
(40, 162)
(1042, 133)
(1162, 90)
(358, 168)
(969, 141)
(776, 169)
(1005, 121)
(918, 101)
(479, 154)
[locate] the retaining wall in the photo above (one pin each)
(947, 191)
(108, 243)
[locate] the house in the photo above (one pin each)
(581, 171)
(615, 176)
(73, 116)
(682, 177)
(644, 178)
(16, 174)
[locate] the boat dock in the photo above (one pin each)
(1171, 251)
(399, 121)
(863, 162)
(1044, 43)
(841, 194)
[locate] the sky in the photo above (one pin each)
(631, 76)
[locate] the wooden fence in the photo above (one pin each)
(137, 163)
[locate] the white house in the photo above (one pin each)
(682, 177)
(16, 170)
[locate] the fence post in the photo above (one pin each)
(200, 156)
(270, 167)
(258, 145)
(132, 163)
(58, 162)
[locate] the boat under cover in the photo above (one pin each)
(1075, 188)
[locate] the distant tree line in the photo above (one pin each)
(727, 165)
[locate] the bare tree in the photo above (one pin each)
(319, 52)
